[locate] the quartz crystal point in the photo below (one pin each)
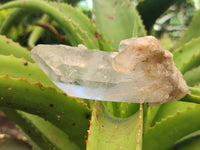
(142, 72)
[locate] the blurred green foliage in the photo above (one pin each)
(175, 20)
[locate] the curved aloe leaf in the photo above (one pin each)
(192, 77)
(193, 96)
(73, 2)
(192, 143)
(171, 129)
(170, 109)
(128, 109)
(107, 132)
(150, 10)
(37, 32)
(157, 113)
(121, 109)
(117, 20)
(41, 133)
(66, 113)
(19, 67)
(187, 57)
(15, 16)
(87, 26)
(195, 91)
(149, 115)
(8, 47)
(73, 22)
(190, 64)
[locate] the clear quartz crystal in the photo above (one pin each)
(125, 43)
(142, 72)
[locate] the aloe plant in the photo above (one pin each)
(52, 120)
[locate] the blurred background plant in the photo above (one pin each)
(175, 20)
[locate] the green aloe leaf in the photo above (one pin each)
(73, 2)
(19, 67)
(8, 47)
(193, 95)
(77, 27)
(149, 115)
(121, 109)
(171, 129)
(187, 57)
(169, 109)
(128, 109)
(107, 132)
(195, 91)
(66, 113)
(187, 61)
(192, 143)
(117, 20)
(191, 64)
(192, 98)
(157, 113)
(192, 77)
(40, 133)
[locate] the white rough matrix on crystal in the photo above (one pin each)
(142, 72)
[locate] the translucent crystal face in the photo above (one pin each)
(142, 72)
